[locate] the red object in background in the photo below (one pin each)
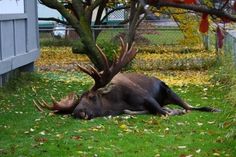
(204, 23)
(152, 2)
(234, 6)
(189, 1)
(225, 20)
(220, 37)
(178, 1)
(204, 15)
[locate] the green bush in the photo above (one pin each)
(56, 42)
(109, 48)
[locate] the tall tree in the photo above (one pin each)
(79, 13)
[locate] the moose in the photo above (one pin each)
(115, 93)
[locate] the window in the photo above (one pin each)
(12, 6)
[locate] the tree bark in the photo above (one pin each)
(78, 20)
(135, 10)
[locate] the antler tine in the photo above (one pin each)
(95, 74)
(38, 106)
(54, 100)
(84, 70)
(126, 55)
(47, 105)
(122, 43)
(104, 57)
(132, 52)
(126, 51)
(110, 70)
(92, 72)
(65, 106)
(124, 48)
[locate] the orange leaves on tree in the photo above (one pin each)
(178, 1)
(152, 2)
(189, 1)
(225, 19)
(204, 24)
(183, 1)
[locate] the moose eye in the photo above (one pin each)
(93, 98)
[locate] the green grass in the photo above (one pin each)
(165, 37)
(26, 132)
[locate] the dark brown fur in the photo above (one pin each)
(132, 92)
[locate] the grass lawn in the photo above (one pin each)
(26, 132)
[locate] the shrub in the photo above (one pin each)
(109, 48)
(56, 42)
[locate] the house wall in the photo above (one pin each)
(19, 42)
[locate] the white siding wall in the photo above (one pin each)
(19, 45)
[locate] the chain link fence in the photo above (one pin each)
(148, 33)
(155, 33)
(230, 43)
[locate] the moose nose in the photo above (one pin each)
(81, 114)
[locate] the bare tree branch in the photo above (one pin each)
(97, 3)
(225, 4)
(54, 4)
(197, 8)
(53, 19)
(100, 12)
(113, 10)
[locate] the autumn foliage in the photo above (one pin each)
(189, 1)
(204, 22)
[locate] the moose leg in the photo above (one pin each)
(173, 98)
(171, 112)
(129, 112)
(154, 107)
(174, 112)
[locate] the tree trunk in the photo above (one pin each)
(135, 11)
(87, 45)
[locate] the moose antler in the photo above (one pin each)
(102, 78)
(65, 106)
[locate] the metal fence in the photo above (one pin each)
(150, 34)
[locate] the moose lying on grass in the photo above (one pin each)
(115, 93)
